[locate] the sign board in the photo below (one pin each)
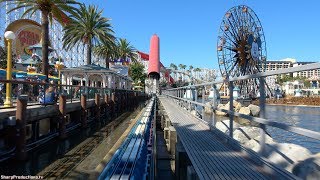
(27, 33)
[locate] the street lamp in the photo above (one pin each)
(9, 36)
(59, 65)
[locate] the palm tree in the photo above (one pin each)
(173, 66)
(49, 9)
(180, 66)
(125, 50)
(87, 26)
(106, 50)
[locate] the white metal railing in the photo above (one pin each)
(177, 94)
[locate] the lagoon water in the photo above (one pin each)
(299, 116)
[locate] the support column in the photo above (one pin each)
(21, 153)
(62, 119)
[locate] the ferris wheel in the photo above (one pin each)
(241, 47)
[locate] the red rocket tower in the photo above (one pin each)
(154, 58)
(154, 65)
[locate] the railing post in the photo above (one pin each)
(97, 108)
(83, 110)
(214, 104)
(21, 152)
(62, 122)
(113, 102)
(231, 108)
(203, 100)
(262, 100)
(107, 109)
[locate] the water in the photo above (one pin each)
(41, 157)
(299, 116)
(304, 117)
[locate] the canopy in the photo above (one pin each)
(54, 78)
(36, 75)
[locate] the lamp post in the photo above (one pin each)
(9, 36)
(59, 65)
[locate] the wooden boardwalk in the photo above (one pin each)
(211, 158)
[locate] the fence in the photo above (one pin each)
(36, 91)
(178, 93)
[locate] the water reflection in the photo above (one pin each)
(43, 156)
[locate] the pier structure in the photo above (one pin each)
(29, 124)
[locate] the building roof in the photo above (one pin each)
(88, 68)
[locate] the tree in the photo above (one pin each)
(136, 72)
(181, 66)
(173, 66)
(49, 9)
(87, 26)
(3, 58)
(106, 50)
(125, 50)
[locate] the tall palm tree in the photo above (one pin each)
(180, 66)
(126, 50)
(106, 50)
(49, 9)
(173, 66)
(87, 26)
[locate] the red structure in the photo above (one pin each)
(154, 58)
(145, 57)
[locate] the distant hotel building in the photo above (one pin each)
(287, 63)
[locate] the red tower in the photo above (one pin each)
(154, 58)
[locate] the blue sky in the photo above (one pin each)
(188, 28)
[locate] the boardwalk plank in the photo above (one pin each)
(211, 158)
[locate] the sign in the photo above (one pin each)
(27, 33)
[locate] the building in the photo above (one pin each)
(289, 62)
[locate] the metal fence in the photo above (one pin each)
(36, 91)
(177, 94)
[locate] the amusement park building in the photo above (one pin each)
(287, 63)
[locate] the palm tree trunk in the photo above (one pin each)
(89, 49)
(107, 63)
(45, 43)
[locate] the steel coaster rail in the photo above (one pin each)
(177, 94)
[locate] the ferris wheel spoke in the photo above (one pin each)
(229, 38)
(234, 33)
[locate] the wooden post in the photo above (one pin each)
(62, 122)
(107, 110)
(97, 108)
(83, 110)
(21, 153)
(113, 104)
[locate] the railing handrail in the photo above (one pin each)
(297, 130)
(307, 67)
(62, 85)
